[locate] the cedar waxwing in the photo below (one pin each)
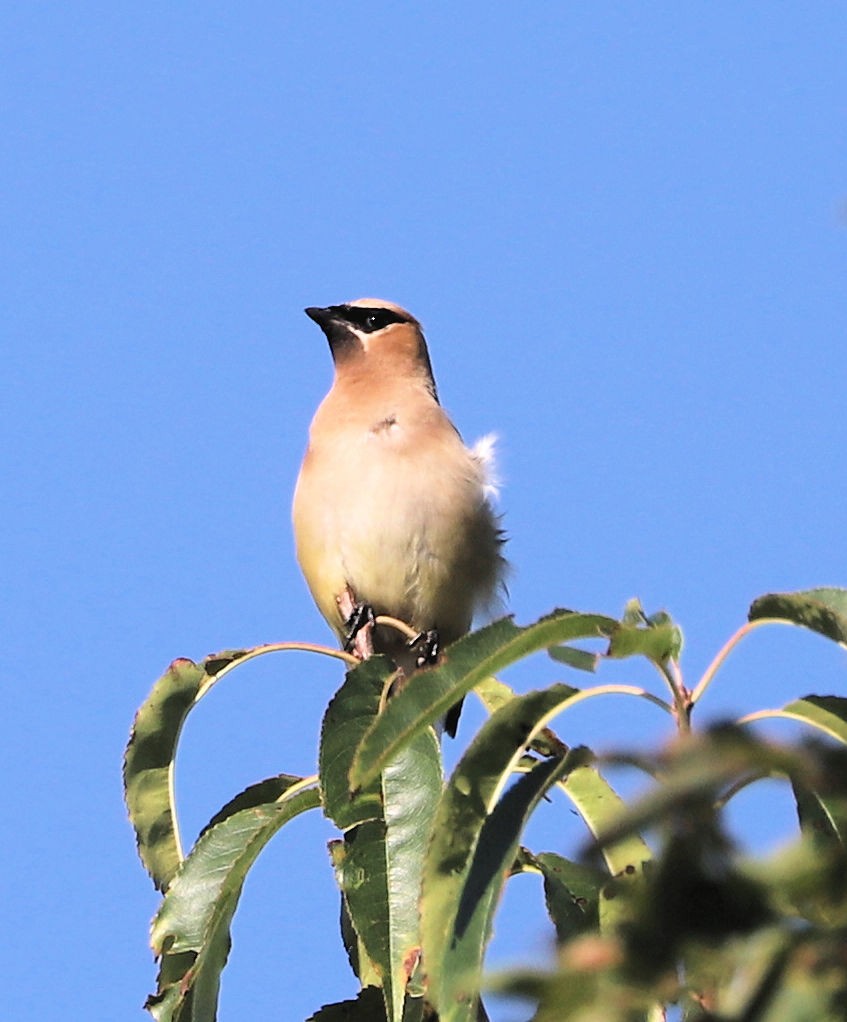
(391, 510)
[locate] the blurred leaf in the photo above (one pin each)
(150, 754)
(380, 872)
(804, 879)
(616, 905)
(192, 925)
(805, 980)
(822, 815)
(456, 929)
(692, 895)
(801, 997)
(350, 713)
(695, 770)
(429, 693)
(586, 987)
(822, 610)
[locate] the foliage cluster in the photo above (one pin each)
(421, 860)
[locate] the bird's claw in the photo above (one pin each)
(426, 646)
(361, 617)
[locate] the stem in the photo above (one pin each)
(279, 647)
(740, 785)
(623, 690)
(750, 718)
(397, 624)
(682, 703)
(726, 649)
(304, 782)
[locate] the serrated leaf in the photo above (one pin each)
(822, 610)
(261, 793)
(149, 761)
(151, 751)
(411, 786)
(429, 694)
(380, 872)
(348, 717)
(192, 925)
(365, 970)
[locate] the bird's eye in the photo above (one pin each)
(371, 320)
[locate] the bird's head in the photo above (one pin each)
(374, 335)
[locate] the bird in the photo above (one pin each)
(392, 513)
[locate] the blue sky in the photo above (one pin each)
(625, 231)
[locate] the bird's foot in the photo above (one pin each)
(426, 646)
(358, 628)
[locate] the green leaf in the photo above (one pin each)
(826, 713)
(149, 758)
(471, 794)
(456, 932)
(599, 806)
(429, 693)
(261, 793)
(822, 816)
(493, 694)
(350, 713)
(822, 610)
(150, 754)
(365, 969)
(571, 893)
(590, 793)
(655, 637)
(806, 985)
(615, 908)
(192, 925)
(586, 990)
(380, 872)
(579, 659)
(411, 786)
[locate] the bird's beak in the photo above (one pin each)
(321, 316)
